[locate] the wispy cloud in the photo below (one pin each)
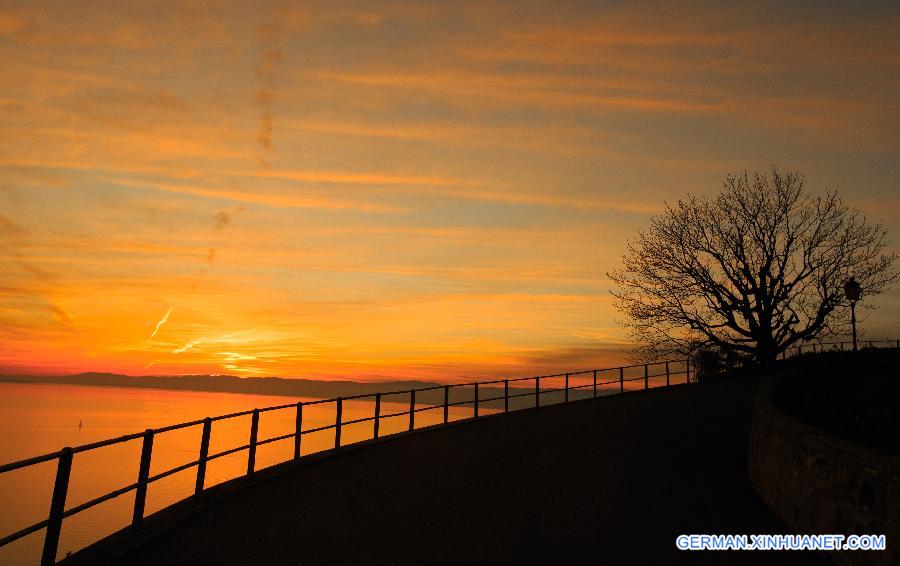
(268, 197)
(230, 338)
(270, 60)
(14, 240)
(222, 220)
(188, 345)
(162, 321)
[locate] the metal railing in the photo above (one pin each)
(65, 457)
(817, 347)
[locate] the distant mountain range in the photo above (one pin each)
(226, 384)
(289, 387)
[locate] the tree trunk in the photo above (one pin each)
(766, 351)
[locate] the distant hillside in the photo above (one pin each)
(294, 387)
(226, 384)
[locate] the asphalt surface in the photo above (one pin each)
(606, 481)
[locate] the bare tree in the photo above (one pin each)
(751, 272)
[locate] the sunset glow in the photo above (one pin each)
(371, 191)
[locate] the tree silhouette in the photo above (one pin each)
(750, 272)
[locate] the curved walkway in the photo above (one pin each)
(605, 481)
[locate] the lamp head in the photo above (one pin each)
(852, 290)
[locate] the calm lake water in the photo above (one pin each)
(37, 418)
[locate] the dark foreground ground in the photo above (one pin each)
(606, 481)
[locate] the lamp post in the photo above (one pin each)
(853, 292)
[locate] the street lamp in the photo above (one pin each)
(853, 292)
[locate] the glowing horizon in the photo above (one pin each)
(403, 190)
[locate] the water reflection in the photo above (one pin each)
(36, 419)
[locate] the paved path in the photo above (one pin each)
(606, 481)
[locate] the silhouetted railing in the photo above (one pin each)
(64, 457)
(816, 347)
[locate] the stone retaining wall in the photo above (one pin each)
(817, 483)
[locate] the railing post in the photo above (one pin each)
(475, 403)
(57, 507)
(537, 391)
(298, 431)
(446, 403)
(505, 395)
(254, 431)
(621, 380)
(204, 452)
(646, 377)
(377, 415)
(667, 375)
(595, 384)
(870, 344)
(842, 346)
(412, 409)
(338, 421)
(687, 369)
(566, 395)
(140, 494)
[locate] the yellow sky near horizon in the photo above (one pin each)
(379, 190)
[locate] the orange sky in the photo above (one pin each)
(387, 190)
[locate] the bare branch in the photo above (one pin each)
(750, 272)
